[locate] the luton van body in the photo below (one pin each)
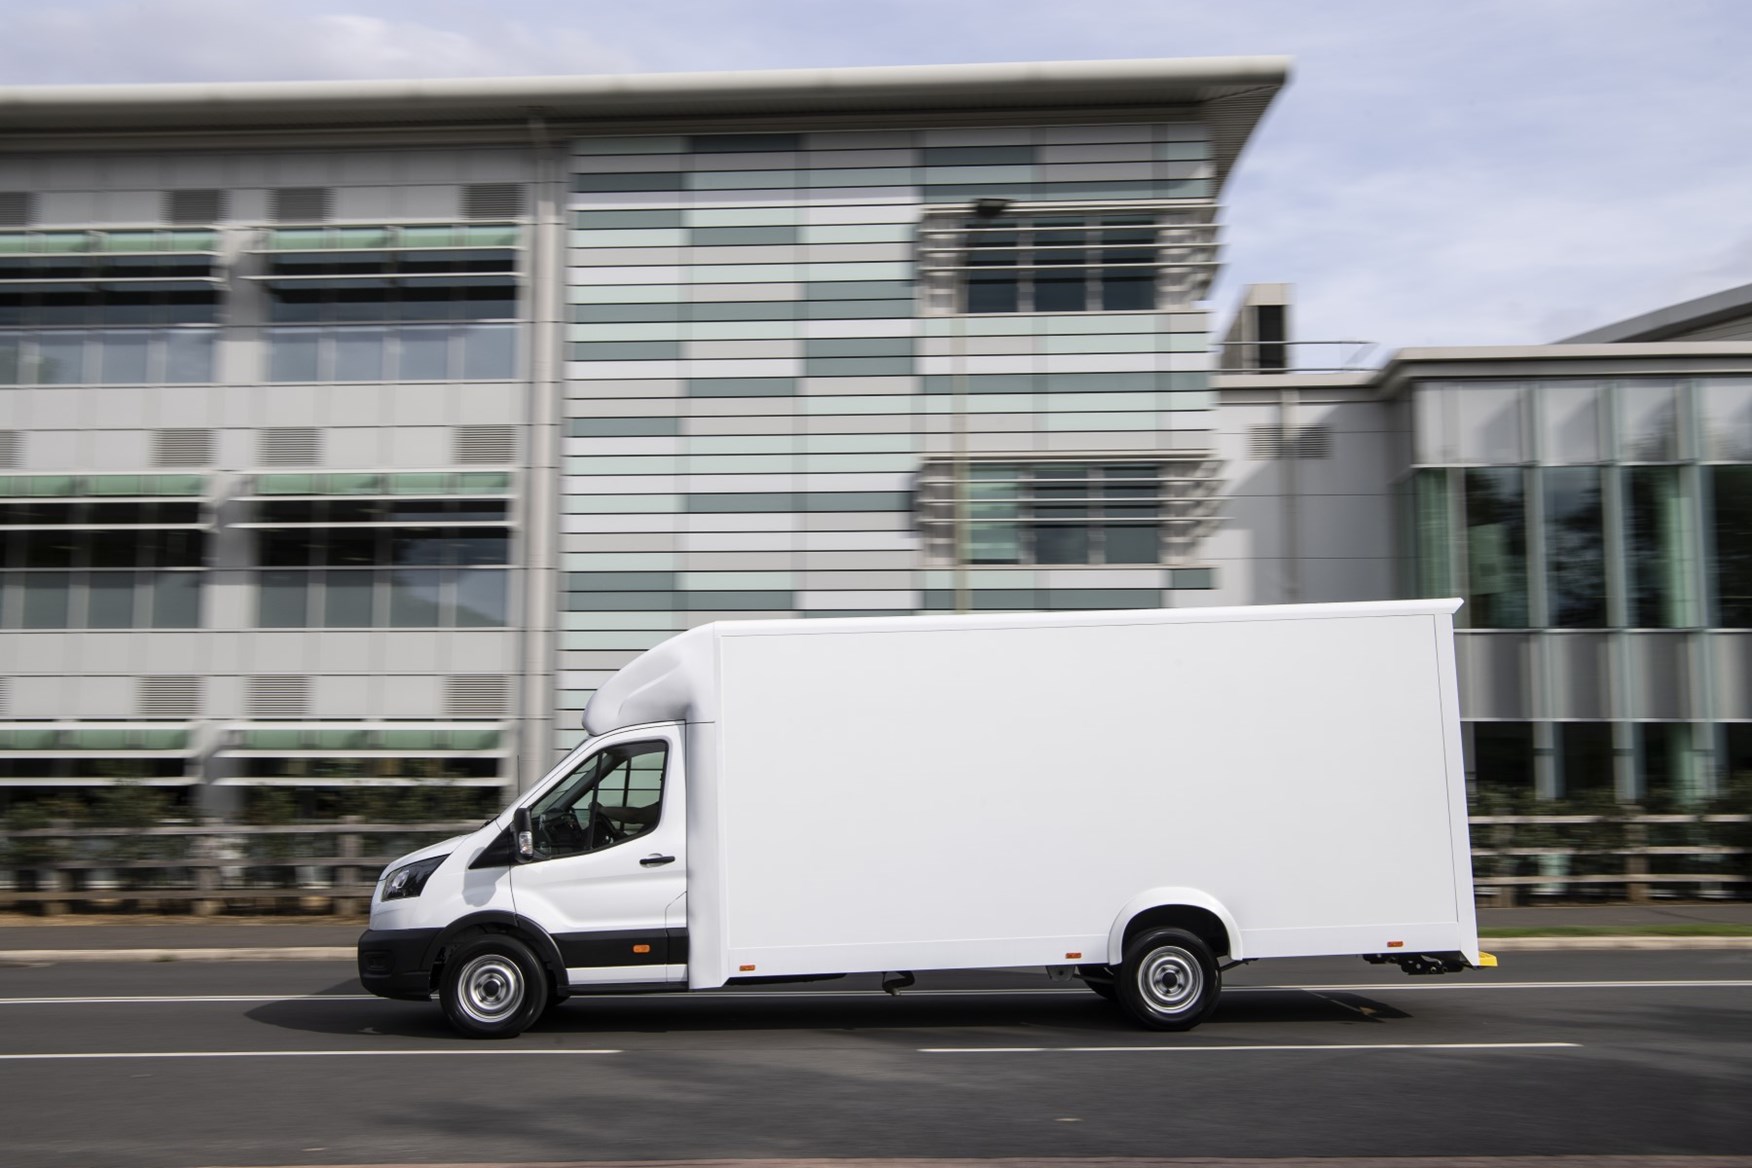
(1142, 799)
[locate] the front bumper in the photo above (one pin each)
(397, 963)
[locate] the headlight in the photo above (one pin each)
(409, 879)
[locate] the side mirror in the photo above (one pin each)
(524, 826)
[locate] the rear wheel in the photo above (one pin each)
(493, 987)
(1169, 980)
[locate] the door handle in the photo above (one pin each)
(656, 861)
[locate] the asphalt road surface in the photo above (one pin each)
(253, 1064)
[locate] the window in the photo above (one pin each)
(176, 356)
(141, 578)
(365, 753)
(1501, 754)
(1496, 548)
(382, 563)
(1575, 548)
(392, 303)
(1731, 506)
(125, 307)
(1725, 404)
(1656, 562)
(1468, 422)
(614, 796)
(1066, 513)
(1066, 259)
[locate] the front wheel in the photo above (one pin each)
(493, 987)
(1169, 980)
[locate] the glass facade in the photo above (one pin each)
(1608, 524)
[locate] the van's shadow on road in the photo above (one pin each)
(599, 1018)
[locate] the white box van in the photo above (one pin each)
(1142, 799)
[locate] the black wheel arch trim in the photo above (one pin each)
(499, 921)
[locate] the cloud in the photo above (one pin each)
(1486, 172)
(255, 40)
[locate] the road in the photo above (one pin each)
(253, 1064)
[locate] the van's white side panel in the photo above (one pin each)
(962, 795)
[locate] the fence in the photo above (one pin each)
(1633, 857)
(214, 867)
(210, 866)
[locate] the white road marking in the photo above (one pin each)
(806, 995)
(1393, 988)
(1248, 1049)
(429, 1052)
(169, 1000)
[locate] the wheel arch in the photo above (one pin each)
(505, 924)
(1192, 909)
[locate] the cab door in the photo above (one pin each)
(609, 875)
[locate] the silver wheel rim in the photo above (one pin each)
(1170, 980)
(490, 988)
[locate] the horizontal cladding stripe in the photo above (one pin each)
(859, 366)
(858, 347)
(1139, 381)
(742, 387)
(902, 190)
(646, 427)
(1044, 599)
(615, 947)
(808, 501)
(701, 601)
(620, 581)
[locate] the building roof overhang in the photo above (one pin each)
(1035, 86)
(1231, 93)
(1673, 321)
(1478, 362)
(1653, 359)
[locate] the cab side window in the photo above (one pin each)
(614, 796)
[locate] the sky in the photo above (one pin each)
(1436, 172)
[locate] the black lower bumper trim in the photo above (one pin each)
(396, 963)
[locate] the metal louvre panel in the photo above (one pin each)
(169, 697)
(491, 445)
(1264, 442)
(11, 449)
(5, 696)
(480, 695)
(1304, 442)
(194, 206)
(299, 204)
(1313, 442)
(180, 447)
(1017, 497)
(279, 696)
(492, 201)
(291, 446)
(15, 208)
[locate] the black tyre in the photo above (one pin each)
(1169, 980)
(493, 987)
(1100, 979)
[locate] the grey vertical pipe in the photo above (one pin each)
(1289, 453)
(958, 462)
(540, 470)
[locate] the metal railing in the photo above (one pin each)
(1273, 357)
(210, 867)
(214, 867)
(1634, 856)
